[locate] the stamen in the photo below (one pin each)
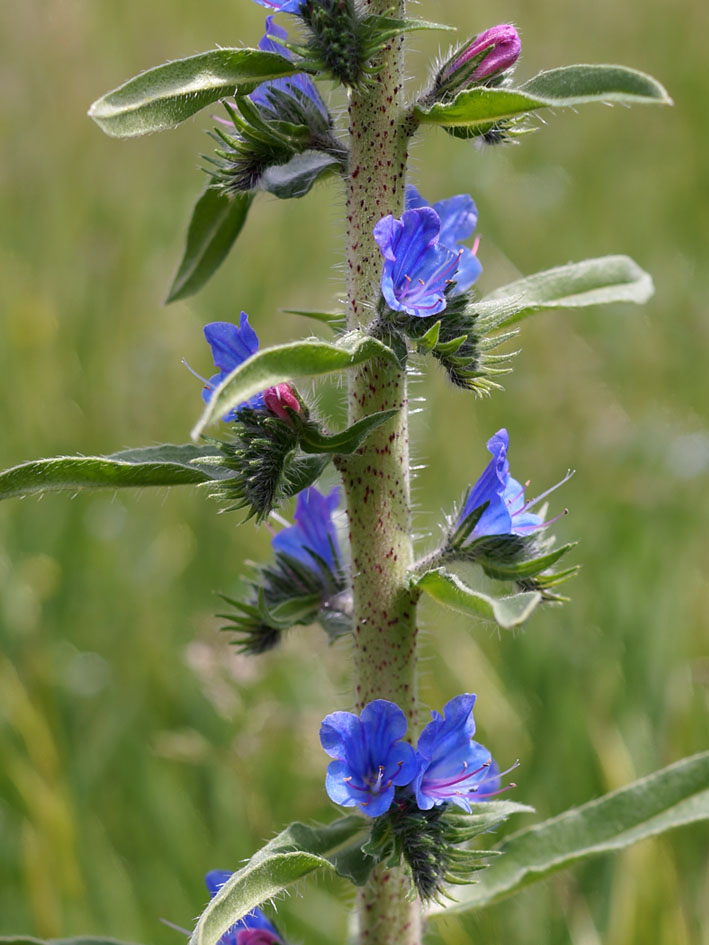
(198, 376)
(533, 502)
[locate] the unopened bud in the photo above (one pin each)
(279, 400)
(257, 937)
(489, 54)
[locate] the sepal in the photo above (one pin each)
(342, 41)
(270, 458)
(454, 338)
(282, 145)
(267, 467)
(429, 841)
(527, 560)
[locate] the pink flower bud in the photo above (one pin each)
(503, 48)
(276, 400)
(257, 937)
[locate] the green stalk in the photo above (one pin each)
(377, 478)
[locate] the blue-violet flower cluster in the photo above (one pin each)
(423, 258)
(253, 929)
(371, 759)
(232, 345)
(507, 512)
(313, 538)
(283, 6)
(293, 85)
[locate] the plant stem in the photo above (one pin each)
(377, 477)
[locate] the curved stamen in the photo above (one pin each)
(533, 502)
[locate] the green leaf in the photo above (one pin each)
(293, 854)
(576, 85)
(216, 222)
(296, 178)
(347, 441)
(274, 366)
(672, 797)
(163, 97)
(448, 589)
(165, 465)
(566, 87)
(591, 282)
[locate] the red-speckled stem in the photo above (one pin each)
(377, 477)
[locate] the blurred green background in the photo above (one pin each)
(137, 751)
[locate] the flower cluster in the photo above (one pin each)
(231, 346)
(497, 529)
(307, 578)
(424, 262)
(277, 122)
(372, 760)
(496, 504)
(253, 929)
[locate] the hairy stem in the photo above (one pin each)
(377, 477)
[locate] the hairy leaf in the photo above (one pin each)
(448, 589)
(672, 797)
(293, 854)
(273, 366)
(566, 87)
(166, 95)
(165, 465)
(591, 282)
(217, 220)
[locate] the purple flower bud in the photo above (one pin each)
(279, 400)
(491, 52)
(257, 937)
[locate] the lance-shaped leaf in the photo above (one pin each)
(448, 589)
(273, 366)
(293, 854)
(165, 465)
(672, 797)
(297, 177)
(166, 95)
(216, 222)
(345, 442)
(576, 285)
(566, 87)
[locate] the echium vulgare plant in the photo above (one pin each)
(418, 794)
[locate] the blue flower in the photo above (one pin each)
(507, 512)
(292, 85)
(370, 758)
(417, 267)
(313, 536)
(459, 217)
(451, 767)
(231, 345)
(283, 6)
(253, 929)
